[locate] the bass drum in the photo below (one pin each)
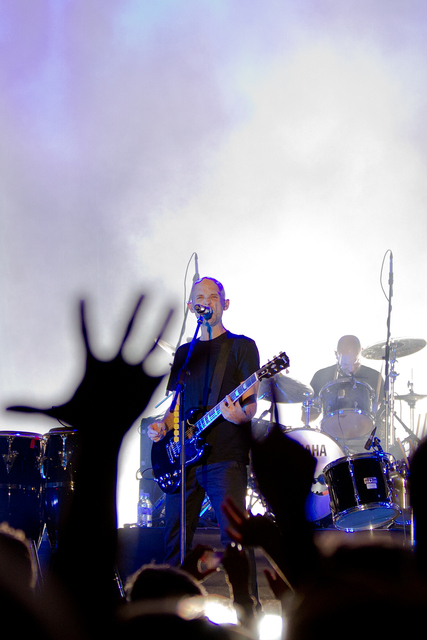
(325, 450)
(21, 483)
(59, 470)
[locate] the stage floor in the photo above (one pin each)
(138, 546)
(141, 546)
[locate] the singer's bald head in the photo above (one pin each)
(219, 285)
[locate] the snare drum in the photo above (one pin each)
(347, 408)
(325, 450)
(59, 469)
(361, 497)
(21, 483)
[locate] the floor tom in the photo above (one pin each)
(360, 492)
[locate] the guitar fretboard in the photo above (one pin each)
(215, 412)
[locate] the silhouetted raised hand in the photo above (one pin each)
(111, 396)
(112, 393)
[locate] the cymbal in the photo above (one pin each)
(281, 388)
(398, 346)
(411, 398)
(166, 346)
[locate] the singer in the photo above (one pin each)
(220, 362)
(355, 390)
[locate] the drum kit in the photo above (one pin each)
(360, 491)
(37, 475)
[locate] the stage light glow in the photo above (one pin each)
(220, 610)
(271, 627)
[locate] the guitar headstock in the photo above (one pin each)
(278, 363)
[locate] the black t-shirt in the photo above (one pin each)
(226, 441)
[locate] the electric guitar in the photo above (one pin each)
(166, 453)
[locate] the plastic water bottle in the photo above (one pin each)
(145, 511)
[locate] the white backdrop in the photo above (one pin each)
(283, 141)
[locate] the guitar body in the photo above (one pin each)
(166, 461)
(165, 454)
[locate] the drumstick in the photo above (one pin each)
(425, 425)
(418, 425)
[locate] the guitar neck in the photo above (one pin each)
(215, 412)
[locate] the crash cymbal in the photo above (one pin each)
(398, 346)
(410, 398)
(166, 346)
(281, 388)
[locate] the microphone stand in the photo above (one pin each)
(388, 397)
(180, 392)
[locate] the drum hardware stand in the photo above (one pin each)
(308, 402)
(307, 406)
(411, 435)
(36, 562)
(376, 446)
(253, 494)
(388, 397)
(406, 509)
(411, 404)
(411, 399)
(390, 413)
(119, 583)
(63, 454)
(9, 457)
(268, 412)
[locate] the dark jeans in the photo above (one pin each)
(217, 481)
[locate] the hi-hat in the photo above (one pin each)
(399, 347)
(281, 388)
(411, 398)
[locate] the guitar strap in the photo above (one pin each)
(218, 374)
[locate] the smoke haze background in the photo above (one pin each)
(284, 142)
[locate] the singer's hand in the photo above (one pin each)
(156, 431)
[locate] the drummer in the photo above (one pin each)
(348, 366)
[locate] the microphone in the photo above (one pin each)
(370, 440)
(390, 278)
(196, 275)
(202, 310)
